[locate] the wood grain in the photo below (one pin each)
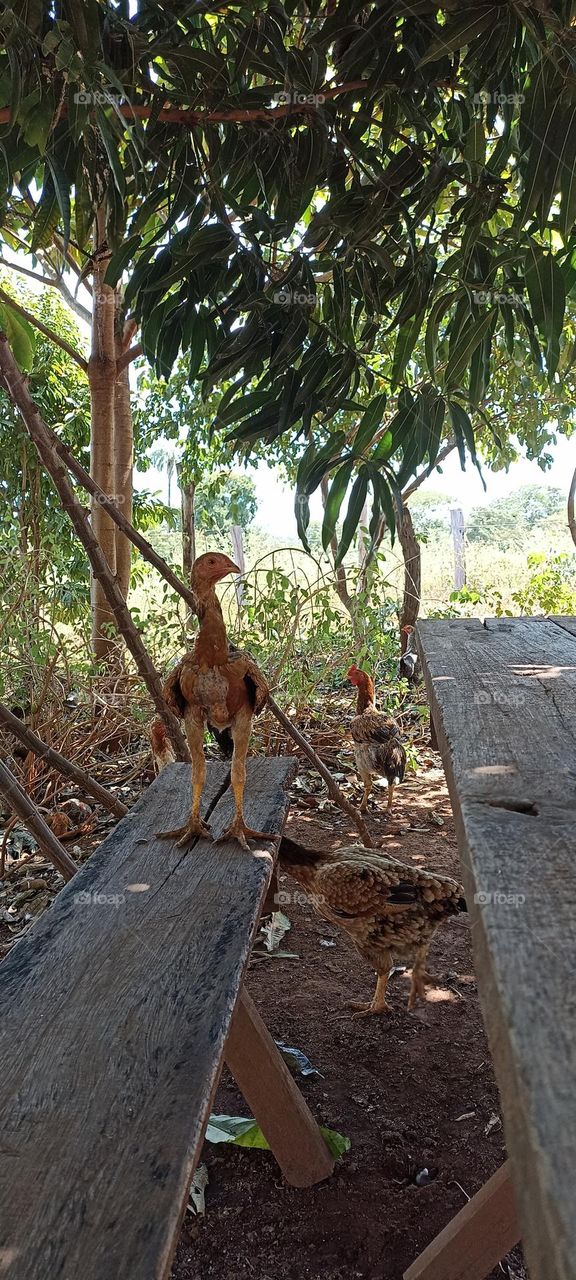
(114, 1012)
(503, 698)
(476, 1239)
(274, 1099)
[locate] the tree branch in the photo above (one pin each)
(36, 428)
(64, 766)
(571, 500)
(26, 810)
(448, 447)
(43, 328)
(128, 357)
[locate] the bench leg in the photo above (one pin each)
(476, 1240)
(275, 1099)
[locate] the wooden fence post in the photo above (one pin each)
(457, 523)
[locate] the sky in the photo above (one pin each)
(276, 500)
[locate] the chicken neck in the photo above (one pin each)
(366, 700)
(211, 646)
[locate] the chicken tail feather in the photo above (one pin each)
(292, 854)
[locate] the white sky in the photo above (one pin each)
(276, 500)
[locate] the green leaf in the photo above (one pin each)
(405, 343)
(547, 294)
(468, 340)
(353, 514)
(369, 422)
(120, 260)
(460, 32)
(437, 314)
(45, 218)
(245, 1132)
(62, 190)
(20, 335)
(334, 501)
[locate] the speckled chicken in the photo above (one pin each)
(390, 911)
(378, 747)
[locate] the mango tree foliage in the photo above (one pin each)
(307, 184)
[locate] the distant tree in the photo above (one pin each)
(225, 499)
(506, 521)
(431, 512)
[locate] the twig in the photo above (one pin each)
(17, 389)
(24, 808)
(59, 762)
(333, 788)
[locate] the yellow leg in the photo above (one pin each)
(238, 830)
(195, 827)
(419, 977)
(378, 1003)
(367, 780)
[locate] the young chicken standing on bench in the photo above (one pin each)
(223, 690)
(378, 749)
(389, 911)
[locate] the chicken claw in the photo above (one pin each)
(240, 832)
(363, 1010)
(185, 834)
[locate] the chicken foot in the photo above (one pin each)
(420, 977)
(377, 1004)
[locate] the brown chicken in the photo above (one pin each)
(390, 911)
(162, 750)
(378, 749)
(223, 690)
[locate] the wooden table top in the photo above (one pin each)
(503, 700)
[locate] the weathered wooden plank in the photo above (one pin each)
(475, 1241)
(114, 1012)
(568, 624)
(503, 697)
(274, 1098)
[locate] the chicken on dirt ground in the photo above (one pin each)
(378, 747)
(212, 687)
(390, 911)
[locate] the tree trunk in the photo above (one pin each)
(102, 379)
(187, 493)
(571, 501)
(124, 467)
(412, 572)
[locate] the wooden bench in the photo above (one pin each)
(116, 1012)
(503, 702)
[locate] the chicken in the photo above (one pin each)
(409, 665)
(162, 749)
(378, 749)
(224, 690)
(390, 911)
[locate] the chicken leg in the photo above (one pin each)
(378, 1003)
(367, 780)
(419, 977)
(195, 827)
(238, 830)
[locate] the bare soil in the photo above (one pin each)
(414, 1092)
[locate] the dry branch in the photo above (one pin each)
(571, 502)
(17, 389)
(333, 788)
(26, 811)
(59, 762)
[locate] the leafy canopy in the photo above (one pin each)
(288, 186)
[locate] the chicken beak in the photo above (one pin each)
(229, 568)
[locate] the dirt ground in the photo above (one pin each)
(414, 1093)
